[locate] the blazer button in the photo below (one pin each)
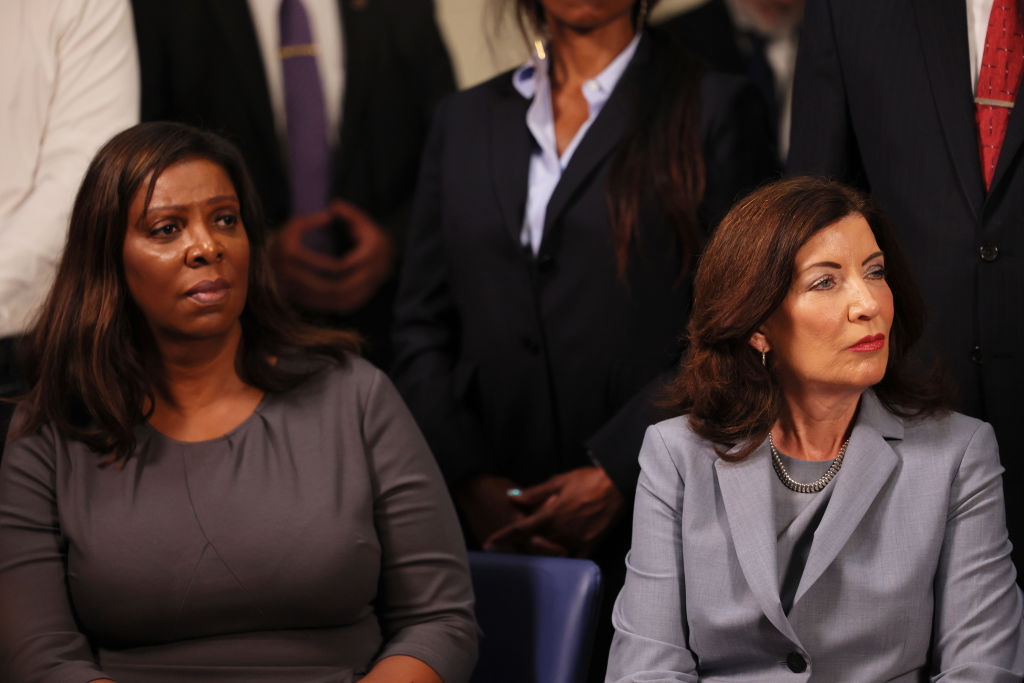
(545, 262)
(796, 662)
(531, 345)
(976, 354)
(988, 252)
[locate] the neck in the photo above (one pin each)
(814, 426)
(195, 374)
(578, 55)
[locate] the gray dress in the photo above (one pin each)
(303, 545)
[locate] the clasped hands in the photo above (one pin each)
(323, 283)
(564, 516)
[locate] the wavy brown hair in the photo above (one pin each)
(743, 277)
(89, 355)
(660, 156)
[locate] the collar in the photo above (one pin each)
(533, 75)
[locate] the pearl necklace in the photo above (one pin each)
(817, 484)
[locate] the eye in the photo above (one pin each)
(164, 230)
(227, 220)
(824, 282)
(876, 273)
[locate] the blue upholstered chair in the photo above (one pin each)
(538, 615)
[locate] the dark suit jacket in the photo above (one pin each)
(709, 32)
(519, 365)
(201, 64)
(883, 98)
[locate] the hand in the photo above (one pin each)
(322, 283)
(487, 507)
(573, 510)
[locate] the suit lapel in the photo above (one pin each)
(867, 467)
(512, 146)
(241, 46)
(942, 25)
(602, 137)
(747, 493)
(360, 53)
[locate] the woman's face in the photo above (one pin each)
(586, 15)
(186, 260)
(832, 330)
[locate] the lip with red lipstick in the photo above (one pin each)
(209, 291)
(872, 342)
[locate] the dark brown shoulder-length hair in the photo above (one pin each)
(88, 367)
(660, 155)
(743, 277)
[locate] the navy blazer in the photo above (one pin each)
(516, 364)
(908, 575)
(883, 98)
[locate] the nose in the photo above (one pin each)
(205, 248)
(864, 303)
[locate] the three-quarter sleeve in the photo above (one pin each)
(977, 634)
(649, 614)
(39, 639)
(425, 599)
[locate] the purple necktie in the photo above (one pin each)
(304, 107)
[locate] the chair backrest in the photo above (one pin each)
(538, 615)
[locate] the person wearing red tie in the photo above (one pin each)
(914, 101)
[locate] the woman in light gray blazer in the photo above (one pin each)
(816, 512)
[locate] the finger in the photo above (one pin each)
(301, 257)
(533, 496)
(349, 211)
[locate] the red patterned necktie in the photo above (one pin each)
(998, 81)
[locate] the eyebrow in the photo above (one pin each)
(181, 207)
(833, 264)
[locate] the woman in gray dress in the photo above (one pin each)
(815, 513)
(198, 487)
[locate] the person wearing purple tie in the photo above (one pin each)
(330, 102)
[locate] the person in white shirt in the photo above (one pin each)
(69, 80)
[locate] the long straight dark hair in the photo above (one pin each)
(660, 156)
(87, 353)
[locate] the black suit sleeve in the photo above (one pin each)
(822, 140)
(422, 57)
(426, 332)
(148, 22)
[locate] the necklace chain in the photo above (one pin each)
(817, 484)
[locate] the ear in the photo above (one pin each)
(759, 342)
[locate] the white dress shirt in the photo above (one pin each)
(546, 166)
(69, 80)
(978, 12)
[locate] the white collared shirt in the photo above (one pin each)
(532, 80)
(978, 12)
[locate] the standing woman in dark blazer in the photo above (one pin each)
(545, 284)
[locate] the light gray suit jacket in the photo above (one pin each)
(909, 574)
